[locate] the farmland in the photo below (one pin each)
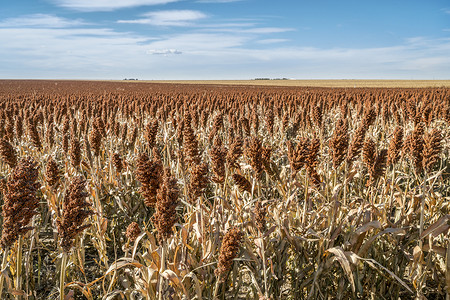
(150, 190)
(337, 83)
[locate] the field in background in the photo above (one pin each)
(321, 83)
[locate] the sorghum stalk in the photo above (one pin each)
(19, 266)
(62, 277)
(162, 269)
(4, 263)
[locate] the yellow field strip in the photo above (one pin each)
(318, 83)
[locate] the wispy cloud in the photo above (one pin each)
(253, 30)
(164, 52)
(168, 18)
(271, 41)
(107, 5)
(228, 25)
(199, 42)
(267, 30)
(40, 20)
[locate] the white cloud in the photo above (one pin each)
(164, 52)
(267, 30)
(254, 30)
(200, 43)
(107, 5)
(271, 41)
(40, 20)
(168, 18)
(228, 26)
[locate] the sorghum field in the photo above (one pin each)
(168, 191)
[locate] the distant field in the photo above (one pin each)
(320, 83)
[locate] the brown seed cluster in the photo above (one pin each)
(228, 251)
(431, 148)
(133, 231)
(217, 126)
(7, 153)
(414, 146)
(133, 137)
(190, 144)
(149, 173)
(339, 142)
(165, 210)
(218, 158)
(50, 135)
(375, 162)
(198, 181)
(266, 153)
(75, 210)
(260, 212)
(305, 154)
(235, 152)
(150, 133)
(270, 119)
(33, 134)
(75, 152)
(395, 146)
(298, 155)
(242, 183)
(52, 173)
(356, 143)
(20, 201)
(369, 117)
(95, 136)
(317, 115)
(253, 153)
(117, 162)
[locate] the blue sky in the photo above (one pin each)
(224, 39)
